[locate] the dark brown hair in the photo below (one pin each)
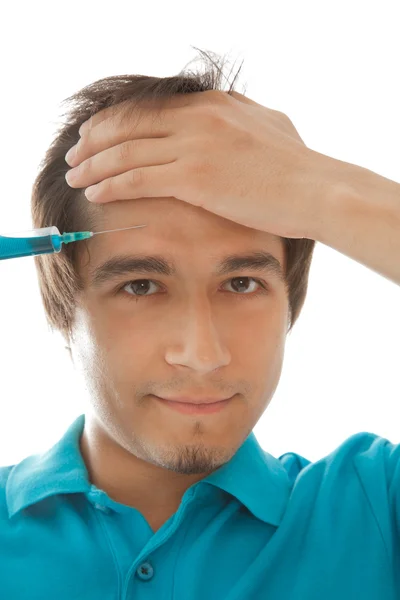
(55, 203)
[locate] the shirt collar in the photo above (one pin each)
(252, 475)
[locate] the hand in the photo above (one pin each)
(226, 154)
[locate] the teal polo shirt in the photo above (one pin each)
(257, 528)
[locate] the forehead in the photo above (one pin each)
(170, 214)
(171, 226)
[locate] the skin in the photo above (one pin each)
(188, 333)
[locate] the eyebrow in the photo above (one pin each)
(121, 264)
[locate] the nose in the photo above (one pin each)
(199, 346)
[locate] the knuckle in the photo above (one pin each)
(104, 187)
(85, 166)
(290, 128)
(284, 118)
(288, 121)
(107, 186)
(211, 97)
(215, 117)
(207, 117)
(278, 113)
(136, 177)
(124, 151)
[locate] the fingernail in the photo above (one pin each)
(83, 127)
(69, 157)
(91, 191)
(70, 175)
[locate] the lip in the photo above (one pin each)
(198, 408)
(187, 400)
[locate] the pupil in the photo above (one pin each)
(239, 279)
(138, 286)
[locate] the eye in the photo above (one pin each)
(141, 287)
(240, 284)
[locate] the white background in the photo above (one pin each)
(333, 68)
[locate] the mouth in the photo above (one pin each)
(190, 408)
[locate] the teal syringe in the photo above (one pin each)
(46, 240)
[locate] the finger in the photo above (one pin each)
(124, 108)
(116, 124)
(144, 182)
(112, 112)
(96, 119)
(110, 133)
(123, 157)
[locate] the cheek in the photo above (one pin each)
(260, 347)
(259, 332)
(128, 350)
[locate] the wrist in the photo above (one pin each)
(342, 192)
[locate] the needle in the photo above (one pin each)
(123, 229)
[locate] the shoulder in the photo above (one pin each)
(4, 475)
(359, 451)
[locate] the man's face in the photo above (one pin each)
(193, 333)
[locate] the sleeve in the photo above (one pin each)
(377, 465)
(392, 470)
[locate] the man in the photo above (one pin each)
(178, 497)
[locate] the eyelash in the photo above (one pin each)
(264, 287)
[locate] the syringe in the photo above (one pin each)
(46, 240)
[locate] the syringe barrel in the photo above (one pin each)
(46, 240)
